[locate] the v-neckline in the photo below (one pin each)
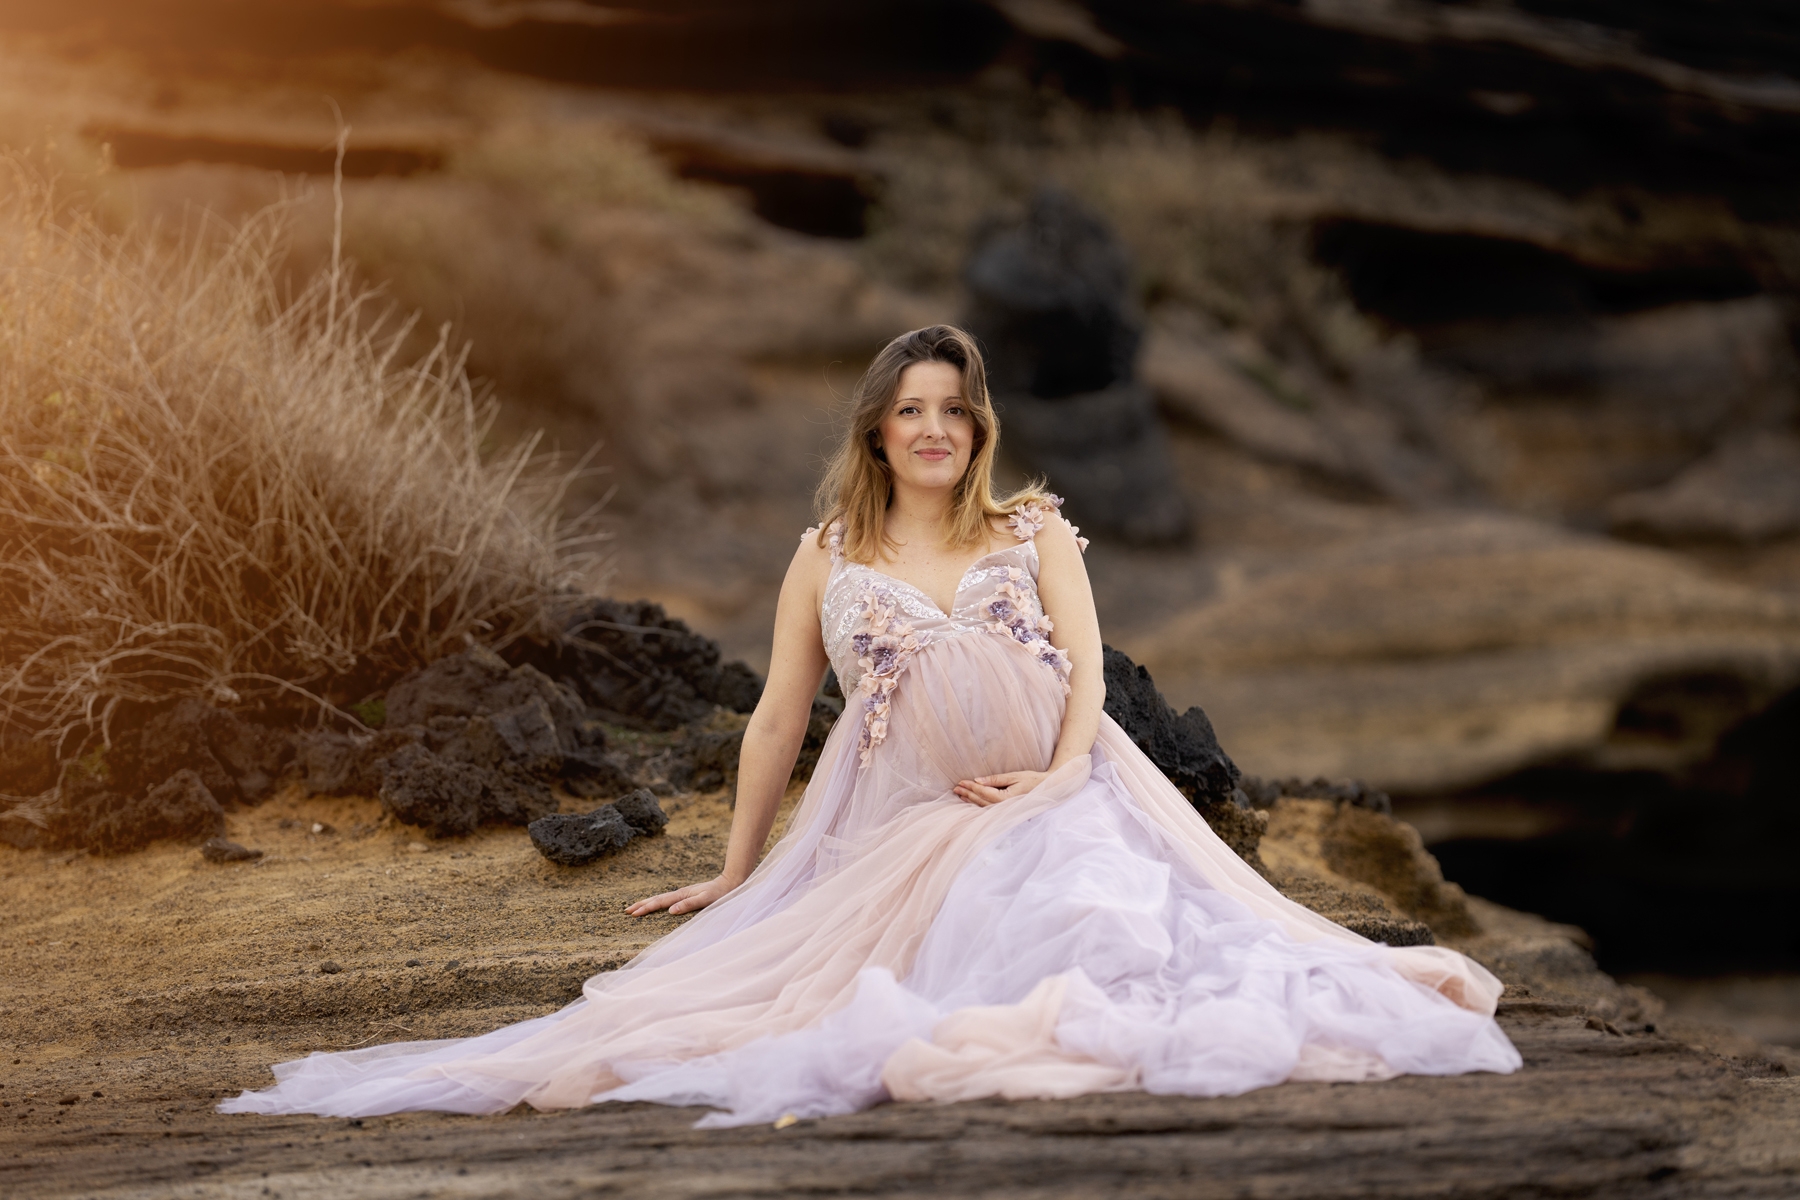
(961, 580)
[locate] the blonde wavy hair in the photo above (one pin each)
(859, 485)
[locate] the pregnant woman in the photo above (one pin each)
(987, 889)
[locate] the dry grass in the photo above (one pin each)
(212, 487)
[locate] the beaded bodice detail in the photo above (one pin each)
(874, 624)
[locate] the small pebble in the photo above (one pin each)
(416, 847)
(219, 850)
(329, 968)
(412, 962)
(452, 964)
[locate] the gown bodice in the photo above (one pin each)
(874, 624)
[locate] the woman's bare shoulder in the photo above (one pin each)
(812, 562)
(1054, 528)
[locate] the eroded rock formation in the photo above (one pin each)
(1049, 299)
(1447, 651)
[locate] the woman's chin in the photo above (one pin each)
(932, 479)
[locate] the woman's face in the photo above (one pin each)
(928, 432)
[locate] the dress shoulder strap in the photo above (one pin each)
(834, 539)
(1030, 516)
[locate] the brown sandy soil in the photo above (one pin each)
(139, 991)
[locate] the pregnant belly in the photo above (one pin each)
(968, 705)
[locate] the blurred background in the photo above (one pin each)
(1424, 372)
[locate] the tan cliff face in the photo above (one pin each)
(1449, 651)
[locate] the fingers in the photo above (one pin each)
(650, 904)
(657, 903)
(978, 793)
(688, 899)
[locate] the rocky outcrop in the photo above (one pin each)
(1182, 745)
(1747, 491)
(635, 665)
(1438, 652)
(1232, 390)
(575, 840)
(93, 815)
(468, 740)
(238, 760)
(1049, 301)
(448, 798)
(1324, 841)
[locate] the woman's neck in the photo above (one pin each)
(916, 516)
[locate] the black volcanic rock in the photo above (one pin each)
(706, 759)
(448, 798)
(468, 740)
(642, 811)
(637, 666)
(593, 773)
(577, 839)
(1050, 303)
(238, 760)
(331, 762)
(477, 682)
(1108, 453)
(1182, 745)
(93, 816)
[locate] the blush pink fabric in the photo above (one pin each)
(897, 943)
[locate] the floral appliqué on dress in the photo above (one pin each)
(1030, 518)
(834, 539)
(884, 646)
(1014, 614)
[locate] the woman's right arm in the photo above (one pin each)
(772, 739)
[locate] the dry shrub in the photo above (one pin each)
(211, 486)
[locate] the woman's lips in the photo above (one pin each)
(934, 455)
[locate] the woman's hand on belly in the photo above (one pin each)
(992, 789)
(688, 899)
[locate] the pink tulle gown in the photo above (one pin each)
(1093, 935)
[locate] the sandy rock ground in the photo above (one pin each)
(139, 991)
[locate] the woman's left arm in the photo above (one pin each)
(1069, 602)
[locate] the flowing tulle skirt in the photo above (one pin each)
(1092, 935)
